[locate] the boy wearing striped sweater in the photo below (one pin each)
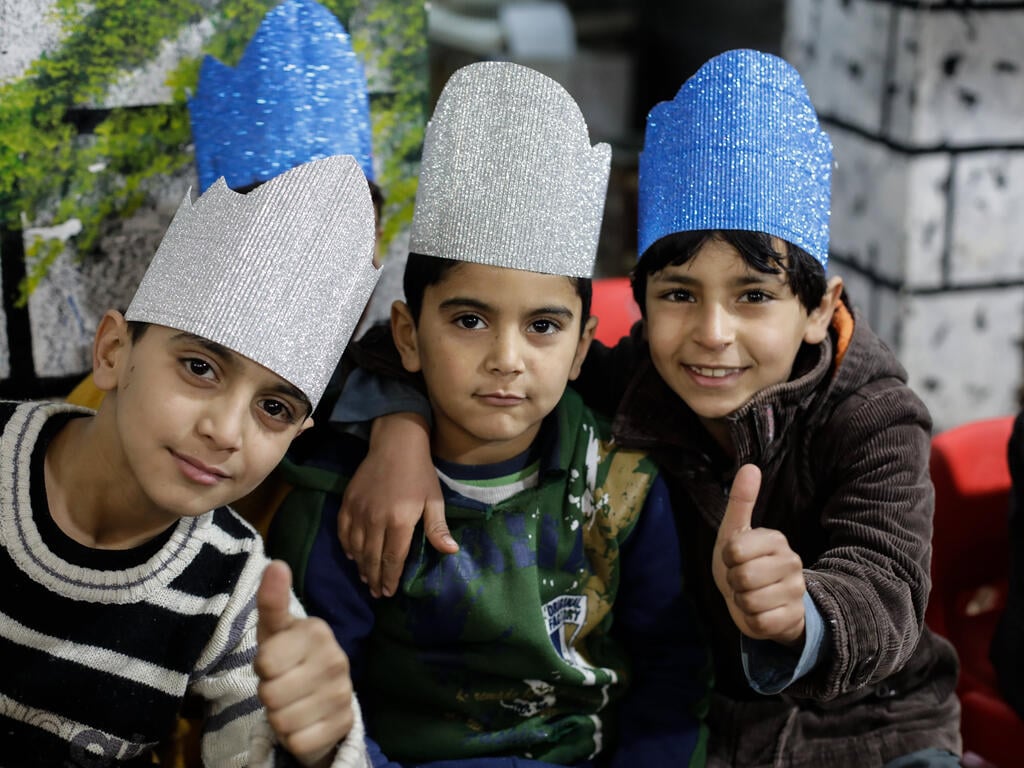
(130, 588)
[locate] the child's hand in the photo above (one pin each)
(393, 487)
(759, 576)
(304, 678)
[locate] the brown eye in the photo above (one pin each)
(470, 322)
(277, 410)
(198, 367)
(545, 326)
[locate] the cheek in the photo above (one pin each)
(261, 464)
(663, 338)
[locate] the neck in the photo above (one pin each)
(86, 491)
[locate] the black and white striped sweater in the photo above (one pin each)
(98, 648)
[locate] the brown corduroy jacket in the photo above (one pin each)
(843, 447)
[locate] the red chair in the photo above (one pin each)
(614, 307)
(970, 562)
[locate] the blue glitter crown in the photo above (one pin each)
(738, 148)
(298, 94)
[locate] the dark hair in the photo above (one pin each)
(804, 273)
(422, 271)
(136, 328)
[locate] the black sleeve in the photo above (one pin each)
(607, 371)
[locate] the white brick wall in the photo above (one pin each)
(27, 29)
(925, 106)
(959, 76)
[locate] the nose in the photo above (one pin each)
(715, 327)
(505, 355)
(222, 422)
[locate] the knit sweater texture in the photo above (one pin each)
(101, 648)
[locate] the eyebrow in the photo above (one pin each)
(755, 278)
(217, 350)
(229, 358)
(457, 302)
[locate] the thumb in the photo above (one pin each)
(742, 497)
(436, 527)
(273, 600)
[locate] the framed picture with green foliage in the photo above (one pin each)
(96, 151)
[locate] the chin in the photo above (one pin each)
(714, 411)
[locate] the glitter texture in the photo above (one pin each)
(298, 94)
(738, 148)
(508, 176)
(280, 275)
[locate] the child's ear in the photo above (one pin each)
(109, 349)
(403, 331)
(820, 318)
(582, 346)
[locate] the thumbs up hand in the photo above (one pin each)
(304, 674)
(758, 574)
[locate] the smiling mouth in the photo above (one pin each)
(713, 373)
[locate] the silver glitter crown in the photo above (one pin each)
(508, 176)
(280, 275)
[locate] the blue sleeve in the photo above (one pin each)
(335, 593)
(366, 396)
(771, 668)
(662, 713)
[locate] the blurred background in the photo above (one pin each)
(924, 103)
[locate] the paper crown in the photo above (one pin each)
(280, 275)
(298, 94)
(508, 177)
(738, 148)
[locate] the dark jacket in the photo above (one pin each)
(843, 447)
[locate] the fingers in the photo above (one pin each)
(392, 562)
(755, 569)
(752, 544)
(306, 689)
(784, 624)
(345, 529)
(369, 558)
(397, 538)
(764, 585)
(273, 600)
